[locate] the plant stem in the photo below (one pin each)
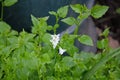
(77, 27)
(57, 19)
(76, 30)
(2, 11)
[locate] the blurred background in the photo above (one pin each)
(110, 20)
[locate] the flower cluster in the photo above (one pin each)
(55, 40)
(61, 51)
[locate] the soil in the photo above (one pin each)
(112, 20)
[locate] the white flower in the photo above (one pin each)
(55, 40)
(61, 51)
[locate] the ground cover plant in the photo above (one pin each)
(39, 55)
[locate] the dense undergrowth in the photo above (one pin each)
(39, 55)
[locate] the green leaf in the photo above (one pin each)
(35, 21)
(53, 13)
(45, 58)
(12, 40)
(83, 11)
(68, 62)
(4, 27)
(83, 56)
(44, 18)
(9, 2)
(98, 11)
(29, 37)
(67, 42)
(84, 15)
(84, 39)
(56, 26)
(101, 62)
(69, 20)
(13, 33)
(77, 72)
(49, 27)
(46, 38)
(102, 44)
(62, 12)
(118, 10)
(105, 32)
(76, 8)
(40, 24)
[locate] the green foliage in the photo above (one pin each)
(105, 33)
(82, 10)
(69, 20)
(31, 56)
(85, 40)
(4, 27)
(62, 12)
(98, 11)
(118, 10)
(103, 43)
(9, 2)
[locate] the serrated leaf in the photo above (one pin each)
(98, 11)
(69, 20)
(84, 39)
(9, 2)
(62, 12)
